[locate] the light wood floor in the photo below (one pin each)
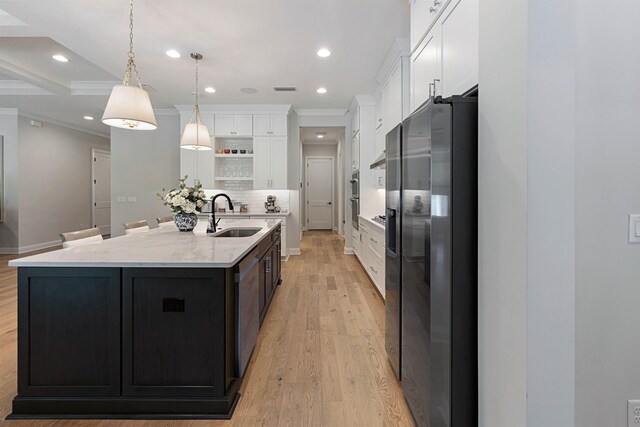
(319, 361)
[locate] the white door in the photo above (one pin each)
(424, 69)
(279, 125)
(261, 125)
(101, 182)
(243, 125)
(459, 33)
(224, 124)
(261, 163)
(319, 193)
(278, 163)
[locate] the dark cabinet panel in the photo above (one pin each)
(174, 332)
(69, 332)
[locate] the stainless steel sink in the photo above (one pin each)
(237, 232)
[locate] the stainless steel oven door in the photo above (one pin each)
(355, 185)
(355, 211)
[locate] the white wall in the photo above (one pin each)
(327, 150)
(9, 227)
(143, 163)
(55, 181)
(607, 160)
(296, 121)
(502, 222)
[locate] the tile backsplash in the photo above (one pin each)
(254, 198)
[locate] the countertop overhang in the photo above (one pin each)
(159, 247)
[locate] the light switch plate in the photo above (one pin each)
(122, 199)
(633, 413)
(132, 199)
(634, 228)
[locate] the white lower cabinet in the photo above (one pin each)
(284, 249)
(369, 248)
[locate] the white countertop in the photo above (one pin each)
(370, 221)
(247, 214)
(159, 247)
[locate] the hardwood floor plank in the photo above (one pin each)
(319, 359)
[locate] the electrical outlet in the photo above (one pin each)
(633, 413)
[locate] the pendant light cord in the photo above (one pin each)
(131, 65)
(197, 108)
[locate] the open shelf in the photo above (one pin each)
(233, 178)
(234, 156)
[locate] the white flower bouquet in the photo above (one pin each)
(184, 199)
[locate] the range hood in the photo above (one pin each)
(380, 162)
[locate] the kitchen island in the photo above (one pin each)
(160, 324)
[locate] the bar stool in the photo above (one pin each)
(81, 237)
(166, 222)
(136, 227)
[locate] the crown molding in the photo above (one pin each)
(399, 48)
(18, 87)
(237, 108)
(8, 111)
(19, 73)
(321, 111)
(92, 87)
(62, 124)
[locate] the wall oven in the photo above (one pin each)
(355, 198)
(355, 211)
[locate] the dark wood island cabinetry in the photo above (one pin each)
(140, 342)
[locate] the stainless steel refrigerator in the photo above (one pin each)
(434, 272)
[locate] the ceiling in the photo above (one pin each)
(245, 43)
(309, 135)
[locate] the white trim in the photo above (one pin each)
(400, 47)
(95, 151)
(306, 187)
(294, 251)
(20, 73)
(320, 111)
(63, 124)
(348, 251)
(237, 108)
(92, 87)
(18, 87)
(9, 111)
(29, 248)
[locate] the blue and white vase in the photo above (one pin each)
(186, 221)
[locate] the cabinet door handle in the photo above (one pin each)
(432, 9)
(434, 86)
(430, 91)
(436, 2)
(373, 240)
(268, 269)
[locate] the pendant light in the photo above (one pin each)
(129, 106)
(196, 135)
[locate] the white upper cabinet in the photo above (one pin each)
(459, 34)
(355, 121)
(234, 124)
(425, 69)
(270, 125)
(445, 62)
(270, 163)
(423, 13)
(392, 99)
(379, 111)
(355, 152)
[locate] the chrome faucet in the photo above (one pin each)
(213, 224)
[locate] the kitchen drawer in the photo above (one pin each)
(375, 268)
(376, 245)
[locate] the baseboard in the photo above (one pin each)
(294, 251)
(29, 248)
(349, 251)
(38, 246)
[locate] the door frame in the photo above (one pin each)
(306, 188)
(95, 151)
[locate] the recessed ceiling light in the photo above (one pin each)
(321, 90)
(209, 89)
(248, 90)
(88, 118)
(320, 136)
(60, 58)
(324, 52)
(173, 53)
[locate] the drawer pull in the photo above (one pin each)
(373, 269)
(373, 240)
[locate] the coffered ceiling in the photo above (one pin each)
(245, 43)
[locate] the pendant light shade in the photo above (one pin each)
(196, 135)
(129, 106)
